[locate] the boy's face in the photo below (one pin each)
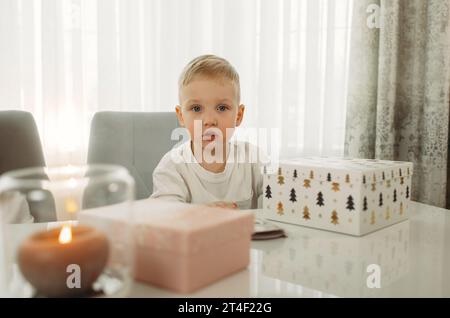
(214, 105)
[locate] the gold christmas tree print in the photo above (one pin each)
(388, 213)
(388, 183)
(280, 177)
(335, 186)
(372, 218)
(374, 187)
(280, 208)
(374, 178)
(334, 217)
(402, 180)
(347, 178)
(401, 208)
(311, 174)
(306, 213)
(307, 183)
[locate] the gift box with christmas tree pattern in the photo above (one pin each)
(341, 265)
(353, 196)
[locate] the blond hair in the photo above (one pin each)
(211, 66)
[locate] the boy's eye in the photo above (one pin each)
(196, 108)
(222, 108)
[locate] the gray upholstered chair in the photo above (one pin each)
(20, 147)
(135, 140)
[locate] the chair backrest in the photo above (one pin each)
(135, 140)
(20, 147)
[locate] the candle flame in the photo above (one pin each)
(65, 236)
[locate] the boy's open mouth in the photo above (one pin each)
(209, 136)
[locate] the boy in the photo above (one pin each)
(209, 168)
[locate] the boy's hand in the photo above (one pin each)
(223, 204)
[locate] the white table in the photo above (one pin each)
(289, 267)
(414, 260)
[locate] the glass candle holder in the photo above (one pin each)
(48, 249)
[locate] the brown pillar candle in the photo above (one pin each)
(44, 259)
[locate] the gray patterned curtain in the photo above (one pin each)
(398, 98)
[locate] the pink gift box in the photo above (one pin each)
(180, 246)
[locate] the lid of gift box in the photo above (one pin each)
(333, 168)
(178, 227)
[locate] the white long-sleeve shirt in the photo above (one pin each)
(179, 177)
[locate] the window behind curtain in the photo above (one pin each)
(63, 60)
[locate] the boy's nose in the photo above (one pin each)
(209, 120)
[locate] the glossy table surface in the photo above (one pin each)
(408, 259)
(413, 258)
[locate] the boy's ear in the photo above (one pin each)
(179, 115)
(240, 115)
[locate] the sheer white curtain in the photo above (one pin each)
(63, 60)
